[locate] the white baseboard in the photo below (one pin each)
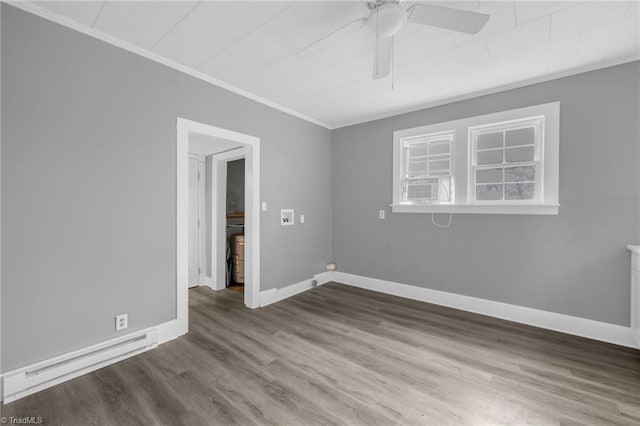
(168, 331)
(596, 330)
(274, 295)
(211, 283)
(323, 277)
(62, 368)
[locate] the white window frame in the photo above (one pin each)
(429, 139)
(537, 123)
(547, 160)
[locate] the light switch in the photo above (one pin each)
(301, 218)
(264, 206)
(381, 214)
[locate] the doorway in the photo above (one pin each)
(222, 223)
(234, 204)
(216, 185)
(238, 145)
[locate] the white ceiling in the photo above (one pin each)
(252, 46)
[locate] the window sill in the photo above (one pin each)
(537, 209)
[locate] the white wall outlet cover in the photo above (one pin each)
(264, 206)
(381, 214)
(287, 217)
(122, 322)
(301, 218)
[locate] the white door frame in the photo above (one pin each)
(252, 213)
(203, 279)
(201, 216)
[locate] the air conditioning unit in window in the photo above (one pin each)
(429, 190)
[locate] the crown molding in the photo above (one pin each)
(92, 32)
(503, 88)
(97, 34)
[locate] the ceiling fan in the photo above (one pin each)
(387, 17)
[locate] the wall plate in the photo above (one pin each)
(287, 217)
(122, 322)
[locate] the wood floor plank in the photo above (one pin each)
(340, 355)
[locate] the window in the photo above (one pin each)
(427, 169)
(505, 162)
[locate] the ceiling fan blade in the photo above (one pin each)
(447, 18)
(331, 38)
(382, 57)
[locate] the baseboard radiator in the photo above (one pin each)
(40, 376)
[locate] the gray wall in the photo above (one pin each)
(88, 195)
(88, 187)
(574, 263)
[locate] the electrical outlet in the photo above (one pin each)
(122, 322)
(301, 218)
(264, 206)
(381, 214)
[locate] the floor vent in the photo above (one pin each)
(23, 382)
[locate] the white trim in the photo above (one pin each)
(182, 227)
(596, 330)
(635, 293)
(635, 305)
(202, 228)
(274, 295)
(252, 223)
(202, 243)
(252, 213)
(42, 375)
(168, 331)
(485, 92)
(1, 388)
(537, 209)
(97, 34)
(212, 280)
(323, 277)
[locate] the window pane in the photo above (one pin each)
(524, 136)
(441, 148)
(519, 174)
(520, 191)
(490, 157)
(417, 167)
(489, 192)
(489, 176)
(438, 165)
(418, 150)
(515, 155)
(490, 140)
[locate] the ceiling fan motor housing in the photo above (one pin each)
(388, 18)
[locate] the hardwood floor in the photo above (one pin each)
(341, 355)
